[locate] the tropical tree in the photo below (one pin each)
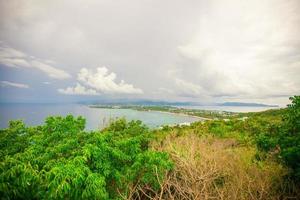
(60, 160)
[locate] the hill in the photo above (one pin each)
(246, 104)
(215, 159)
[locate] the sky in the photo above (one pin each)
(203, 51)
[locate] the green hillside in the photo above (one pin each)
(245, 156)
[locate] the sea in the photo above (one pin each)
(98, 118)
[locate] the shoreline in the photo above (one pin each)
(179, 114)
(165, 112)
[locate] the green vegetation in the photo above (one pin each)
(61, 161)
(245, 156)
(265, 145)
(285, 138)
(211, 114)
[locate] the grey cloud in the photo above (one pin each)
(13, 58)
(218, 49)
(241, 55)
(13, 84)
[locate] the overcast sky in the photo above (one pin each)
(193, 50)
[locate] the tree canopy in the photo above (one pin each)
(59, 160)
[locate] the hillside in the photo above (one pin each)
(254, 157)
(246, 104)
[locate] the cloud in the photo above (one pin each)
(105, 82)
(220, 49)
(102, 82)
(163, 90)
(13, 58)
(188, 89)
(49, 70)
(252, 51)
(12, 84)
(183, 88)
(78, 90)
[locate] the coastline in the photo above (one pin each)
(159, 111)
(179, 114)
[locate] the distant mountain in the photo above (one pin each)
(241, 104)
(146, 102)
(160, 103)
(140, 102)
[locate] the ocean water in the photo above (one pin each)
(97, 118)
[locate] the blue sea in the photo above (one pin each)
(97, 118)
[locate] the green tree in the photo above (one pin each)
(285, 137)
(289, 140)
(60, 160)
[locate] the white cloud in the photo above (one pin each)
(100, 82)
(105, 82)
(78, 90)
(12, 84)
(13, 58)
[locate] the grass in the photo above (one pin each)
(220, 159)
(214, 168)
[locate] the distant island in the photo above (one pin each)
(143, 102)
(139, 102)
(241, 104)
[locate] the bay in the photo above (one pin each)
(97, 118)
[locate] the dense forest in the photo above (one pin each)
(247, 156)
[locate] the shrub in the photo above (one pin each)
(60, 160)
(286, 138)
(211, 168)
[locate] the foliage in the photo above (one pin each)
(17, 135)
(219, 168)
(212, 114)
(285, 138)
(60, 160)
(275, 132)
(218, 158)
